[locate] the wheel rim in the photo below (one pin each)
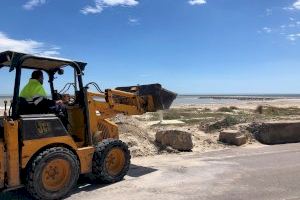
(56, 174)
(115, 161)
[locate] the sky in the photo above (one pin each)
(189, 46)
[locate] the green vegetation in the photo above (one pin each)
(206, 110)
(233, 108)
(225, 117)
(224, 123)
(275, 111)
(183, 114)
(225, 109)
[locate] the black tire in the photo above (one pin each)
(36, 174)
(99, 169)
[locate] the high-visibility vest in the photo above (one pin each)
(33, 91)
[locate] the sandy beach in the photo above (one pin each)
(247, 104)
(201, 121)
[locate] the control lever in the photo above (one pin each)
(5, 109)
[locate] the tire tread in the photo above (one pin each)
(98, 172)
(30, 183)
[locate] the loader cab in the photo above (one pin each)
(53, 69)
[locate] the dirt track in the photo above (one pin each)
(267, 172)
(263, 172)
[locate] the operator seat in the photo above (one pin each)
(26, 108)
(46, 106)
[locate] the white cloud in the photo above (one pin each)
(29, 5)
(133, 21)
(296, 5)
(288, 8)
(293, 37)
(267, 29)
(292, 25)
(197, 2)
(289, 30)
(283, 26)
(101, 4)
(92, 10)
(26, 46)
(120, 2)
(269, 12)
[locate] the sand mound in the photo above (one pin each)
(139, 139)
(140, 136)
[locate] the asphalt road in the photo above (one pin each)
(269, 172)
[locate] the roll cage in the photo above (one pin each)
(18, 61)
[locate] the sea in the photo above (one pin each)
(230, 98)
(2, 99)
(208, 99)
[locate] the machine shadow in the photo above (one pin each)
(137, 171)
(84, 184)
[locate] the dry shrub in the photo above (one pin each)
(224, 123)
(225, 109)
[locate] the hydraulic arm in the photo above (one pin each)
(134, 100)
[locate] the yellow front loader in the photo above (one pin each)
(40, 152)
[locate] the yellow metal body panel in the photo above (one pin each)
(86, 157)
(101, 128)
(76, 120)
(85, 154)
(110, 127)
(12, 148)
(2, 164)
(102, 106)
(30, 147)
(106, 129)
(118, 102)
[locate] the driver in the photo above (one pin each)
(34, 93)
(34, 90)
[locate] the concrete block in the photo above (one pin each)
(278, 132)
(233, 137)
(179, 140)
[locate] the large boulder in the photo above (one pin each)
(179, 140)
(233, 137)
(277, 132)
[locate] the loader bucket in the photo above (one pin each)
(162, 98)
